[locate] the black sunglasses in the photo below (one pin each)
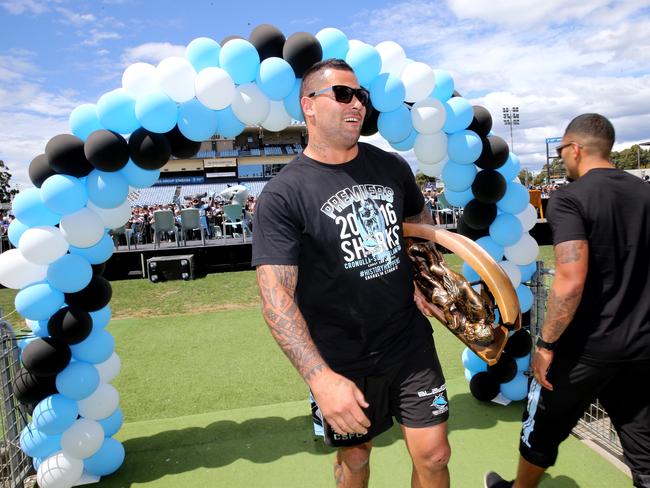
(561, 148)
(344, 94)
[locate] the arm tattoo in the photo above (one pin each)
(424, 217)
(559, 312)
(277, 286)
(569, 252)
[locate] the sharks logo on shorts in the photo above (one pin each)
(439, 404)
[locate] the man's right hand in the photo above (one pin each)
(341, 402)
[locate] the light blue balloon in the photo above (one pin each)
(444, 85)
(406, 144)
(525, 297)
(95, 349)
(113, 423)
(240, 59)
(196, 121)
(78, 380)
(517, 389)
(156, 112)
(38, 301)
(55, 414)
(116, 111)
(39, 328)
(387, 92)
(106, 190)
(468, 272)
(506, 229)
(515, 200)
(523, 363)
(527, 271)
(492, 248)
(203, 52)
(15, 231)
(464, 147)
(109, 457)
(292, 102)
(365, 61)
(395, 126)
(458, 177)
(101, 317)
(472, 362)
(31, 211)
(70, 273)
(228, 125)
(35, 443)
(275, 78)
(335, 43)
(510, 169)
(84, 121)
(458, 198)
(97, 254)
(459, 114)
(63, 194)
(138, 177)
(36, 462)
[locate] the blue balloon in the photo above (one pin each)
(395, 126)
(39, 328)
(406, 144)
(387, 92)
(95, 349)
(203, 52)
(101, 317)
(517, 389)
(525, 297)
(228, 124)
(464, 147)
(365, 61)
(444, 85)
(97, 254)
(472, 362)
(63, 194)
(109, 457)
(458, 198)
(70, 273)
(106, 190)
(492, 248)
(31, 211)
(510, 168)
(38, 301)
(15, 231)
(240, 59)
(458, 177)
(36, 462)
(55, 414)
(275, 78)
(515, 200)
(78, 380)
(335, 43)
(459, 114)
(138, 177)
(468, 272)
(292, 102)
(523, 363)
(84, 121)
(112, 423)
(116, 111)
(156, 112)
(506, 229)
(196, 121)
(527, 271)
(35, 443)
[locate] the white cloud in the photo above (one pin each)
(17, 7)
(96, 36)
(152, 52)
(76, 18)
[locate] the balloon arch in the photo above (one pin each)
(82, 181)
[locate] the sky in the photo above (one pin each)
(553, 59)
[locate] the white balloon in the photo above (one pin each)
(393, 57)
(83, 228)
(513, 272)
(176, 78)
(419, 81)
(250, 105)
(42, 245)
(101, 403)
(434, 170)
(214, 88)
(113, 218)
(428, 116)
(528, 217)
(139, 79)
(525, 251)
(430, 148)
(83, 438)
(278, 119)
(60, 470)
(354, 43)
(109, 369)
(16, 272)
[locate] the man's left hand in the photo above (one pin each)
(541, 364)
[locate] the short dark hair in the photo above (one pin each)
(315, 69)
(597, 131)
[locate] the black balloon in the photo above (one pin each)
(268, 40)
(46, 356)
(70, 325)
(107, 150)
(481, 122)
(65, 155)
(467, 231)
(483, 386)
(504, 370)
(96, 295)
(181, 146)
(489, 186)
(519, 344)
(149, 150)
(99, 269)
(494, 154)
(30, 389)
(369, 126)
(229, 38)
(40, 170)
(301, 51)
(479, 215)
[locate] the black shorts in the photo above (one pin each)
(622, 390)
(413, 392)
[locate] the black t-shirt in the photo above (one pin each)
(611, 210)
(341, 224)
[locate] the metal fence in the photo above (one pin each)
(595, 423)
